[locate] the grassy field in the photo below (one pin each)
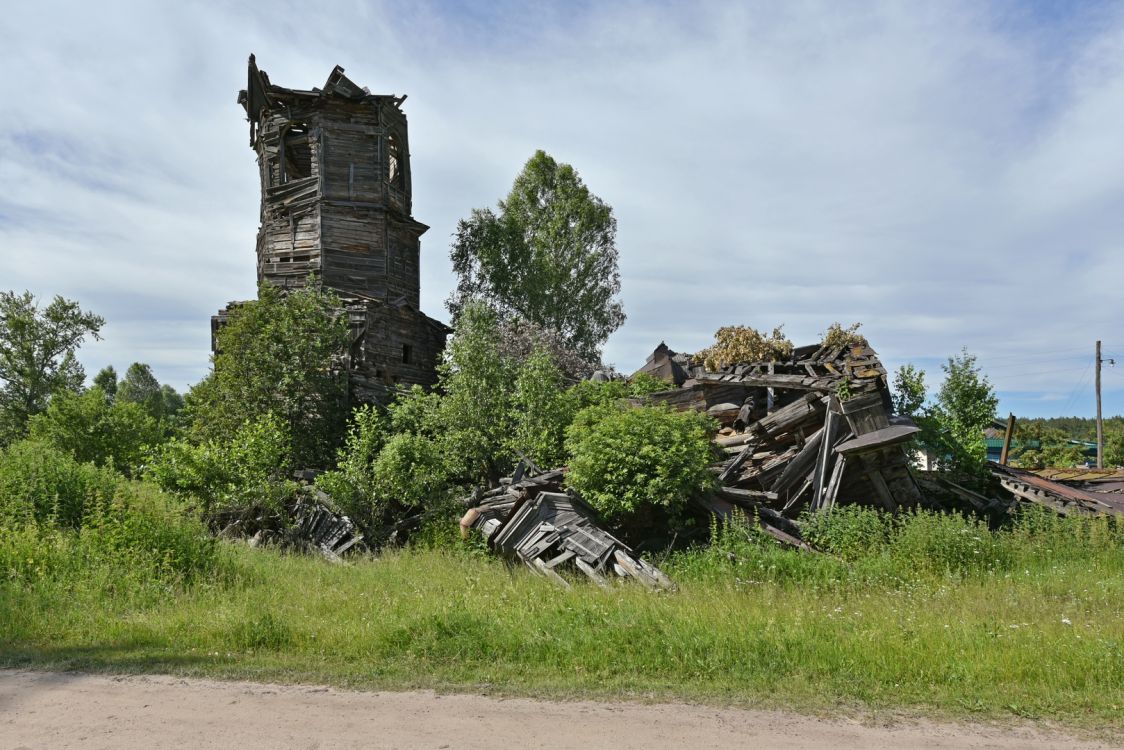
(933, 616)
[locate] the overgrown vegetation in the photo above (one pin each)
(407, 461)
(106, 561)
(66, 524)
(630, 461)
(929, 614)
(837, 335)
(278, 355)
(952, 426)
(734, 344)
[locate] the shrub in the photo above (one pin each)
(247, 471)
(381, 477)
(852, 532)
(837, 335)
(59, 517)
(142, 527)
(91, 428)
(733, 344)
(41, 484)
(541, 411)
(410, 471)
(626, 460)
(351, 484)
(417, 412)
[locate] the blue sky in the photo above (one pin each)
(950, 174)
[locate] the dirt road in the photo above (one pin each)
(48, 710)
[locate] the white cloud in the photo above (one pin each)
(947, 174)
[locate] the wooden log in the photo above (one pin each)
(539, 566)
(833, 484)
(635, 570)
(750, 498)
(831, 424)
(593, 575)
(798, 468)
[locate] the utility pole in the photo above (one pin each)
(1100, 425)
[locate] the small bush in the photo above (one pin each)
(626, 460)
(248, 471)
(850, 532)
(92, 429)
(41, 484)
(410, 471)
(837, 335)
(733, 344)
(382, 477)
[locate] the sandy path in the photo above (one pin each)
(49, 710)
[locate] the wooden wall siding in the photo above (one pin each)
(330, 206)
(354, 243)
(380, 359)
(403, 278)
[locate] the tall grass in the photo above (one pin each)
(925, 613)
(80, 533)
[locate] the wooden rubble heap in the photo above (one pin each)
(1074, 496)
(318, 527)
(310, 524)
(530, 519)
(802, 434)
(818, 430)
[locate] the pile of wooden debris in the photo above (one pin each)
(530, 519)
(307, 523)
(804, 433)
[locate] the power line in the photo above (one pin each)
(1011, 366)
(1072, 400)
(1023, 354)
(1036, 372)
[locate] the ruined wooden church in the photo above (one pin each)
(336, 203)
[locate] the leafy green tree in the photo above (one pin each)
(1038, 445)
(475, 413)
(172, 401)
(91, 429)
(542, 411)
(965, 406)
(280, 355)
(106, 380)
(140, 386)
(37, 355)
(1114, 447)
(909, 391)
(547, 256)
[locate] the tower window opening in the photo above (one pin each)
(298, 155)
(394, 173)
(407, 353)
